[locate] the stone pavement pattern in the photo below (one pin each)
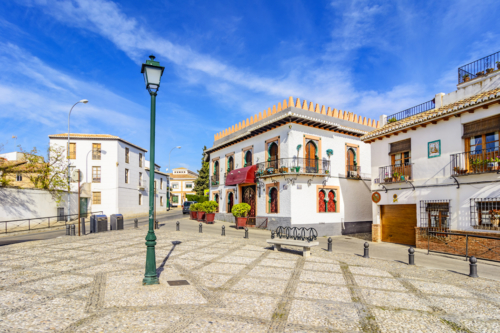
(93, 284)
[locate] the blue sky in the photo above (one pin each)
(224, 61)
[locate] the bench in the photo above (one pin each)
(306, 246)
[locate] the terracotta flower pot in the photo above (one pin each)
(209, 217)
(192, 215)
(201, 216)
(241, 222)
(466, 79)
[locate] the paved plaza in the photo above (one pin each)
(94, 284)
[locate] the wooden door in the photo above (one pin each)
(230, 202)
(249, 198)
(274, 200)
(273, 155)
(398, 223)
(311, 162)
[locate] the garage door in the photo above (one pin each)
(398, 223)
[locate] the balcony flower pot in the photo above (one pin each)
(489, 70)
(466, 78)
(241, 222)
(481, 73)
(498, 64)
(201, 216)
(209, 217)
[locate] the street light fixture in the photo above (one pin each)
(152, 72)
(168, 192)
(83, 101)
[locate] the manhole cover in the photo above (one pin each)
(178, 283)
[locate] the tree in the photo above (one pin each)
(201, 183)
(51, 175)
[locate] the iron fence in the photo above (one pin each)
(353, 171)
(41, 222)
(435, 215)
(485, 213)
(257, 222)
(426, 106)
(479, 68)
(475, 162)
(295, 165)
(308, 234)
(395, 173)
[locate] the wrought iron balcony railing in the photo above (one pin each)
(295, 165)
(479, 68)
(395, 173)
(353, 171)
(475, 162)
(429, 105)
(214, 180)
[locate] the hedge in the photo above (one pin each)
(197, 198)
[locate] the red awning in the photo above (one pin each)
(241, 176)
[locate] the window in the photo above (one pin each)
(400, 168)
(272, 197)
(435, 214)
(311, 161)
(327, 197)
(161, 183)
(19, 177)
(273, 155)
(96, 174)
(126, 176)
(189, 185)
(175, 199)
(96, 198)
(140, 160)
(127, 155)
(175, 185)
(96, 151)
(72, 151)
(352, 168)
(215, 177)
(230, 163)
(140, 178)
(485, 213)
(60, 214)
(155, 186)
(230, 201)
(140, 199)
(161, 201)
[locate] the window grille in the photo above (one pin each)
(96, 174)
(140, 178)
(126, 176)
(127, 155)
(96, 198)
(140, 160)
(485, 213)
(435, 214)
(96, 151)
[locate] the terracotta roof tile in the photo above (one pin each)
(78, 135)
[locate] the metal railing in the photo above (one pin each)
(479, 68)
(395, 173)
(295, 233)
(296, 165)
(40, 222)
(475, 162)
(429, 105)
(214, 180)
(353, 171)
(257, 222)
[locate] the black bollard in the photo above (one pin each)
(83, 225)
(223, 230)
(246, 233)
(411, 256)
(157, 225)
(330, 244)
(177, 226)
(201, 226)
(73, 233)
(272, 234)
(67, 229)
(367, 251)
(473, 267)
(136, 223)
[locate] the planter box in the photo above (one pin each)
(192, 215)
(209, 217)
(200, 216)
(241, 222)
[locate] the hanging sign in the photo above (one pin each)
(376, 197)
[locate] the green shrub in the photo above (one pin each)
(194, 207)
(209, 206)
(197, 198)
(241, 210)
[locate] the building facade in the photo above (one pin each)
(438, 170)
(296, 165)
(182, 183)
(114, 174)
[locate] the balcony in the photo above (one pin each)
(353, 172)
(479, 68)
(293, 166)
(214, 180)
(395, 174)
(429, 105)
(475, 162)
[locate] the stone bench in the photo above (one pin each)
(306, 246)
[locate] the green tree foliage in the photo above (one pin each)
(201, 183)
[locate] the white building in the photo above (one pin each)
(438, 169)
(296, 165)
(182, 183)
(114, 174)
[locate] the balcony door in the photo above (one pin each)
(273, 155)
(311, 159)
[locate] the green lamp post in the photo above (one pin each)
(152, 74)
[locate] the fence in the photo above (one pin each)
(395, 173)
(257, 222)
(353, 171)
(479, 68)
(293, 165)
(429, 105)
(474, 162)
(40, 222)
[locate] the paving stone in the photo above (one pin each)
(278, 263)
(394, 300)
(467, 308)
(379, 283)
(330, 278)
(271, 272)
(222, 268)
(56, 284)
(12, 300)
(248, 305)
(368, 271)
(237, 260)
(319, 266)
(323, 291)
(440, 289)
(266, 286)
(216, 325)
(212, 280)
(483, 326)
(409, 322)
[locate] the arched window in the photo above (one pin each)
(248, 158)
(332, 201)
(273, 155)
(321, 201)
(230, 202)
(273, 200)
(216, 198)
(216, 173)
(230, 164)
(351, 160)
(311, 157)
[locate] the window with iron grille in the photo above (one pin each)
(140, 178)
(161, 183)
(127, 155)
(96, 198)
(435, 214)
(96, 174)
(96, 151)
(485, 213)
(126, 176)
(72, 151)
(140, 160)
(140, 199)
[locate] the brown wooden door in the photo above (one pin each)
(230, 202)
(273, 155)
(274, 200)
(398, 223)
(249, 198)
(311, 162)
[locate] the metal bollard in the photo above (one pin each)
(330, 244)
(177, 226)
(473, 267)
(136, 223)
(272, 234)
(67, 229)
(223, 230)
(73, 233)
(246, 233)
(367, 251)
(157, 225)
(201, 230)
(411, 256)
(83, 225)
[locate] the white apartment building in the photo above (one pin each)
(437, 166)
(182, 183)
(296, 165)
(114, 174)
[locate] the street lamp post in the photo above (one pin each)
(152, 75)
(168, 192)
(84, 101)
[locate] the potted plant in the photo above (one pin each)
(193, 210)
(466, 77)
(209, 208)
(489, 70)
(481, 73)
(498, 64)
(283, 170)
(495, 217)
(396, 176)
(240, 212)
(391, 120)
(200, 214)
